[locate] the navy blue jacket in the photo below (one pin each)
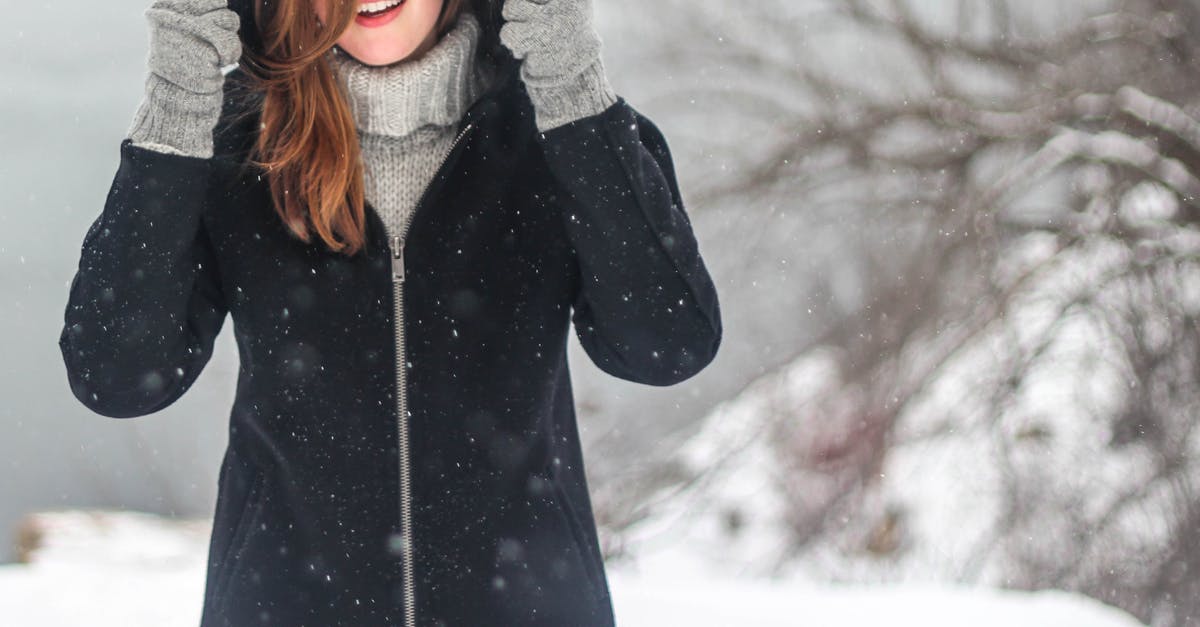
(401, 452)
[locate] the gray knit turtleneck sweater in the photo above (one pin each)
(406, 113)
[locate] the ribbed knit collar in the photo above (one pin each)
(434, 89)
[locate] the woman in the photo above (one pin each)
(403, 212)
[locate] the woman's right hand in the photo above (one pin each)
(190, 42)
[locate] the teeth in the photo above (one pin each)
(375, 7)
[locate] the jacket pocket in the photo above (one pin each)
(583, 548)
(246, 520)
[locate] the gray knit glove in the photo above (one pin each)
(562, 69)
(190, 41)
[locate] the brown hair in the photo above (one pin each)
(307, 141)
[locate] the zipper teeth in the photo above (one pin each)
(410, 610)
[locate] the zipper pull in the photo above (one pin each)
(397, 259)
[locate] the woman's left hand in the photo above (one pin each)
(562, 69)
(554, 37)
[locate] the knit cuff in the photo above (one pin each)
(170, 116)
(580, 96)
(170, 150)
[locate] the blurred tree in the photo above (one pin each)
(1013, 193)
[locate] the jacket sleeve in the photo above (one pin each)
(145, 304)
(646, 308)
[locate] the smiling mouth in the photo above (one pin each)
(377, 9)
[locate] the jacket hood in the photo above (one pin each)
(488, 12)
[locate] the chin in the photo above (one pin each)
(391, 44)
(377, 51)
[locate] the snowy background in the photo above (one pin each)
(128, 569)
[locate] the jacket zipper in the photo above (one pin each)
(397, 250)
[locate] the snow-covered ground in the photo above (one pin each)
(124, 569)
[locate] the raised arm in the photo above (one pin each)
(145, 305)
(646, 309)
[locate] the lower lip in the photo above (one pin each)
(381, 19)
